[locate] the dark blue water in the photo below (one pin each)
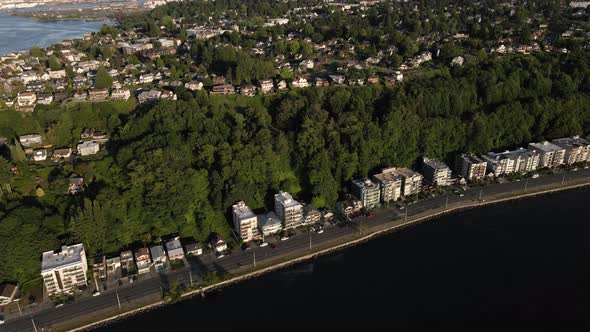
(518, 266)
(22, 33)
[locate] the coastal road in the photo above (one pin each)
(149, 290)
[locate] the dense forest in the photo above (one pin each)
(178, 166)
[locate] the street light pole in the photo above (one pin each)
(190, 275)
(309, 242)
(563, 179)
(18, 306)
(447, 202)
(526, 183)
(406, 213)
(480, 193)
(254, 254)
(119, 301)
(34, 326)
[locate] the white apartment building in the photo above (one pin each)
(508, 162)
(390, 184)
(64, 271)
(577, 149)
(269, 223)
(550, 154)
(26, 99)
(245, 222)
(288, 210)
(88, 148)
(411, 181)
(436, 172)
(367, 192)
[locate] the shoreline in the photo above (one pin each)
(329, 250)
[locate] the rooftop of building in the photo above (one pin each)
(434, 163)
(509, 154)
(473, 158)
(365, 184)
(268, 219)
(173, 244)
(157, 251)
(242, 211)
(571, 142)
(286, 200)
(546, 146)
(68, 255)
(401, 171)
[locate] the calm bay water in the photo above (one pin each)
(22, 33)
(522, 265)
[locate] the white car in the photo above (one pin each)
(97, 293)
(284, 238)
(59, 305)
(263, 244)
(320, 231)
(1, 320)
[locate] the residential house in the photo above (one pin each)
(269, 223)
(390, 184)
(168, 95)
(471, 167)
(149, 96)
(99, 268)
(143, 260)
(248, 90)
(120, 94)
(7, 293)
(158, 257)
(30, 140)
(225, 89)
(76, 185)
(311, 215)
(128, 267)
(218, 244)
(26, 99)
(577, 149)
(266, 86)
(57, 74)
(300, 82)
(88, 148)
(373, 79)
(288, 210)
(174, 249)
(550, 154)
(194, 85)
(146, 78)
(64, 271)
(98, 95)
(245, 222)
(218, 80)
(367, 192)
(44, 98)
(39, 154)
(436, 172)
(337, 79)
(113, 268)
(282, 85)
(321, 82)
(194, 249)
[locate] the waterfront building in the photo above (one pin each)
(436, 172)
(245, 222)
(113, 268)
(508, 162)
(367, 192)
(194, 249)
(143, 260)
(550, 154)
(390, 184)
(311, 215)
(174, 249)
(288, 210)
(577, 149)
(158, 257)
(99, 267)
(269, 223)
(411, 180)
(65, 270)
(128, 266)
(218, 244)
(471, 167)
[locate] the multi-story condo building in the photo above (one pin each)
(436, 172)
(390, 184)
(311, 215)
(508, 162)
(550, 155)
(367, 192)
(245, 222)
(288, 210)
(411, 181)
(577, 149)
(471, 167)
(65, 270)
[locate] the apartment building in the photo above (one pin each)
(471, 167)
(436, 172)
(26, 99)
(390, 184)
(269, 223)
(311, 215)
(508, 162)
(65, 270)
(245, 222)
(577, 149)
(411, 180)
(550, 155)
(288, 210)
(143, 260)
(367, 192)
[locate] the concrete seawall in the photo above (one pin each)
(425, 216)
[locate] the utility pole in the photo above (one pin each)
(563, 179)
(447, 202)
(254, 253)
(190, 276)
(34, 326)
(119, 301)
(18, 306)
(526, 183)
(480, 193)
(310, 242)
(406, 213)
